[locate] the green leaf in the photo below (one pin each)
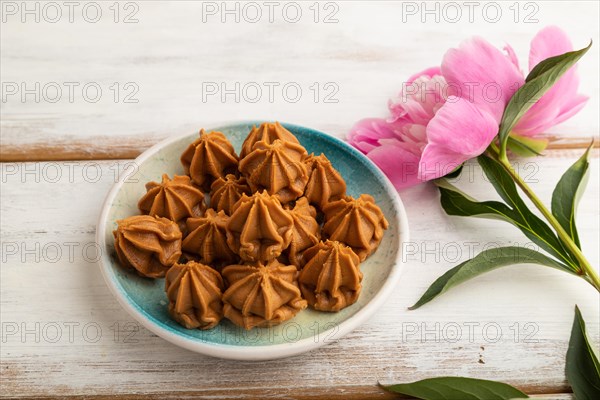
(455, 173)
(538, 82)
(530, 224)
(457, 203)
(582, 367)
(486, 261)
(526, 147)
(560, 62)
(502, 182)
(566, 195)
(457, 388)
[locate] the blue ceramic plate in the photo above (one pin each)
(146, 301)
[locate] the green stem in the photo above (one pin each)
(590, 273)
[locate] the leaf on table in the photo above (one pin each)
(457, 203)
(483, 262)
(457, 388)
(541, 78)
(529, 223)
(582, 366)
(567, 193)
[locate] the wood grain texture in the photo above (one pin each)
(124, 147)
(171, 56)
(350, 393)
(58, 291)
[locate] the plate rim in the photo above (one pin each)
(260, 352)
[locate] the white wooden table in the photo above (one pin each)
(63, 334)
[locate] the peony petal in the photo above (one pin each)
(409, 147)
(462, 127)
(366, 133)
(512, 56)
(408, 110)
(561, 101)
(415, 134)
(459, 131)
(365, 147)
(549, 42)
(399, 165)
(418, 100)
(438, 161)
(396, 154)
(548, 116)
(571, 108)
(482, 74)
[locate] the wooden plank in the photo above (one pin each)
(175, 59)
(44, 292)
(122, 147)
(349, 393)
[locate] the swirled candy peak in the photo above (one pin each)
(276, 167)
(259, 229)
(207, 240)
(261, 294)
(325, 183)
(331, 278)
(209, 157)
(174, 199)
(267, 132)
(225, 192)
(306, 231)
(194, 291)
(150, 245)
(359, 223)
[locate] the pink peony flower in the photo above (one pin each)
(468, 121)
(445, 116)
